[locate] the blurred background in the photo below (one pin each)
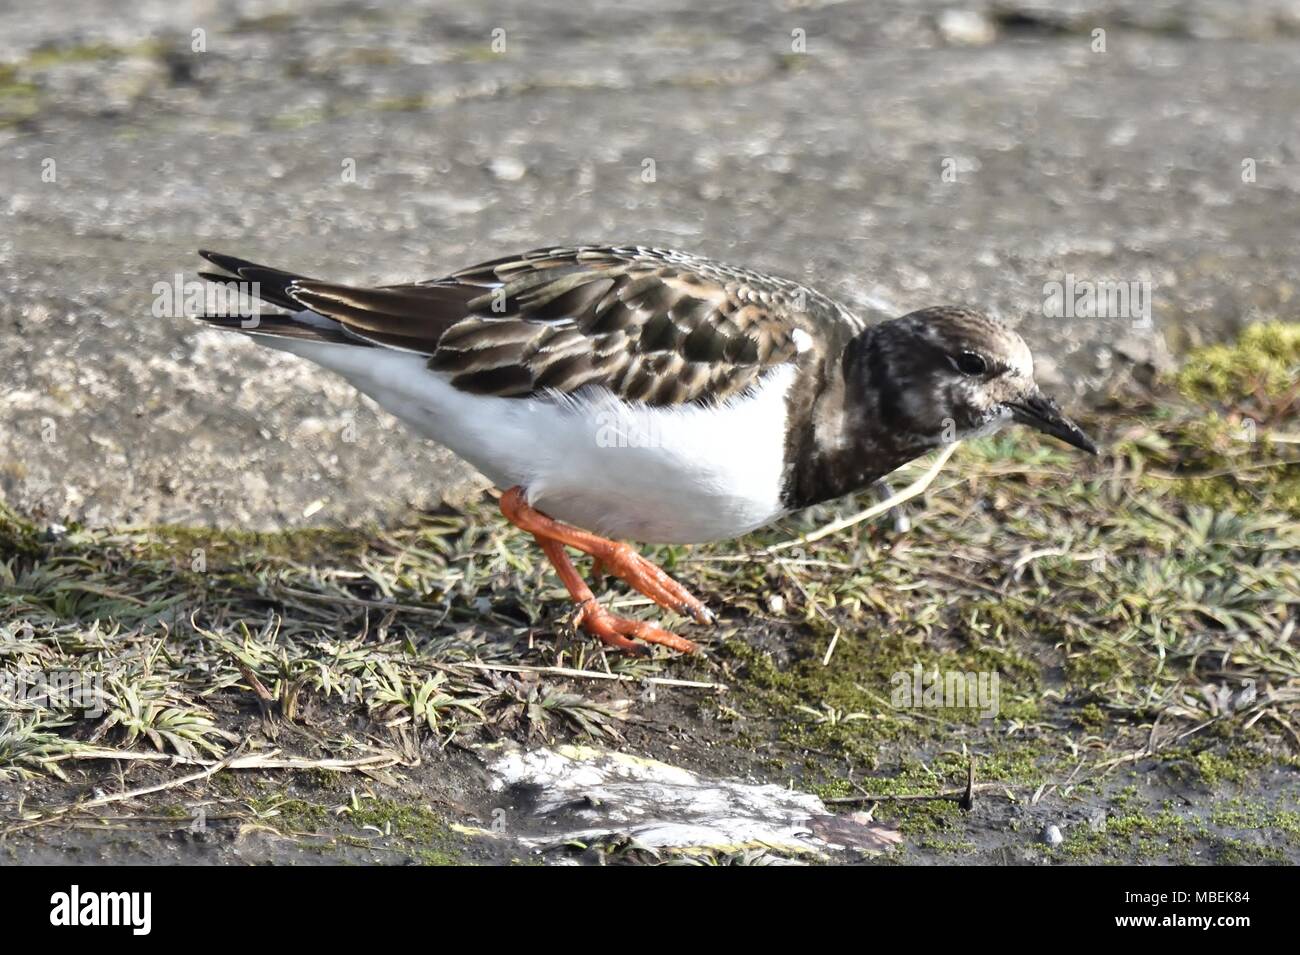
(895, 154)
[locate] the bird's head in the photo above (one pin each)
(949, 373)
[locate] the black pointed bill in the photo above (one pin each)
(1041, 412)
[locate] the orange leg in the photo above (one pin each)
(598, 621)
(618, 558)
(613, 556)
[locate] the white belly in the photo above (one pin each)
(660, 475)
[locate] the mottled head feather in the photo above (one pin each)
(954, 329)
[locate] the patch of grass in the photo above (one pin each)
(1231, 444)
(27, 749)
(1235, 765)
(1150, 834)
(292, 815)
(181, 634)
(1261, 367)
(422, 831)
(1241, 813)
(1229, 833)
(363, 821)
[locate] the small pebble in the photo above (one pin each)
(508, 169)
(966, 28)
(1243, 697)
(1052, 836)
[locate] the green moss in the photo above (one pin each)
(921, 819)
(1240, 852)
(476, 53)
(1024, 710)
(53, 56)
(948, 846)
(418, 831)
(12, 87)
(1097, 665)
(298, 119)
(848, 704)
(1091, 716)
(1241, 813)
(426, 835)
(266, 23)
(1145, 835)
(235, 547)
(834, 789)
(413, 103)
(1225, 437)
(18, 536)
(411, 822)
(1265, 357)
(322, 779)
(1235, 765)
(75, 53)
(292, 815)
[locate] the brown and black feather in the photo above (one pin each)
(651, 325)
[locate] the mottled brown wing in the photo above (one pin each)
(650, 325)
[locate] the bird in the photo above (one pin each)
(616, 393)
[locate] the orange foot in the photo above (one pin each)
(615, 630)
(622, 561)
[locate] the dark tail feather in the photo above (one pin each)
(273, 284)
(273, 287)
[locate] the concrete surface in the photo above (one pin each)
(826, 164)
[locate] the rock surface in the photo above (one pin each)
(897, 154)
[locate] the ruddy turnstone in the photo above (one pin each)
(648, 394)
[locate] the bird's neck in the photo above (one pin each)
(846, 431)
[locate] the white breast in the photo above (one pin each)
(659, 475)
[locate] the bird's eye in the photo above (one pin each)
(969, 363)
